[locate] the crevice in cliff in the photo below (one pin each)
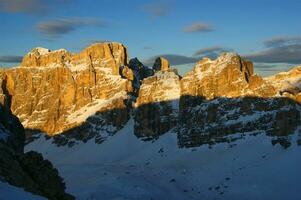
(8, 96)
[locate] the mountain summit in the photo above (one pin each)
(94, 112)
(57, 91)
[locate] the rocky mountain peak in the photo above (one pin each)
(108, 54)
(49, 86)
(229, 76)
(42, 57)
(39, 51)
(98, 88)
(161, 64)
(288, 84)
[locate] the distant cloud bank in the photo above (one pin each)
(10, 59)
(33, 7)
(58, 27)
(279, 49)
(157, 8)
(198, 27)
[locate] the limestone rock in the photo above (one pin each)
(224, 96)
(11, 130)
(288, 84)
(161, 64)
(156, 108)
(41, 57)
(227, 76)
(216, 120)
(140, 72)
(49, 86)
(90, 94)
(108, 55)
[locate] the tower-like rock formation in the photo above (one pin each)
(161, 64)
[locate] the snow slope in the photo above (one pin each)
(11, 192)
(123, 167)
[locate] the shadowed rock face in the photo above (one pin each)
(12, 131)
(90, 94)
(212, 120)
(29, 171)
(155, 111)
(217, 98)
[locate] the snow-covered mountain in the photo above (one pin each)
(117, 129)
(125, 167)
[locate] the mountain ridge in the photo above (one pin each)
(101, 78)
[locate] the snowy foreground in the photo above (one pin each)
(8, 192)
(124, 167)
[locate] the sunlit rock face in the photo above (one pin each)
(224, 97)
(288, 84)
(227, 76)
(161, 64)
(93, 94)
(56, 91)
(156, 108)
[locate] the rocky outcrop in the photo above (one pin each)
(161, 64)
(288, 84)
(156, 108)
(214, 120)
(140, 72)
(42, 57)
(11, 130)
(91, 95)
(50, 87)
(29, 171)
(224, 97)
(217, 98)
(104, 55)
(227, 76)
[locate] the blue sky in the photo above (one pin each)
(266, 31)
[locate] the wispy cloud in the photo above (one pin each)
(267, 69)
(58, 27)
(28, 6)
(198, 27)
(39, 7)
(10, 59)
(97, 41)
(282, 41)
(211, 52)
(279, 49)
(147, 48)
(174, 59)
(158, 8)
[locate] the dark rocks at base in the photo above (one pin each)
(27, 170)
(216, 119)
(153, 120)
(284, 142)
(31, 172)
